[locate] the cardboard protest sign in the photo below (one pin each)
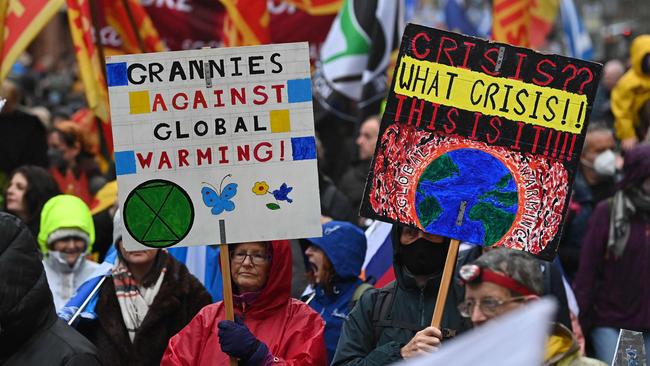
(215, 141)
(480, 140)
(630, 349)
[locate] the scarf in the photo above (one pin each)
(134, 300)
(625, 205)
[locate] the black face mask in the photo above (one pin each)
(55, 158)
(423, 257)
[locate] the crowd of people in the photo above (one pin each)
(306, 301)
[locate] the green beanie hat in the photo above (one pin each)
(65, 212)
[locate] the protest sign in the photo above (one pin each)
(630, 349)
(515, 339)
(480, 141)
(215, 141)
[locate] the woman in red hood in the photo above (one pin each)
(270, 327)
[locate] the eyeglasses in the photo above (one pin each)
(489, 307)
(256, 258)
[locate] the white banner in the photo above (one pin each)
(215, 141)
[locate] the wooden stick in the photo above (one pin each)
(224, 256)
(134, 26)
(447, 275)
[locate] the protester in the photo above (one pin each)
(270, 327)
(334, 264)
(502, 280)
(613, 70)
(594, 181)
(631, 92)
(390, 324)
(611, 283)
(29, 188)
(23, 136)
(353, 181)
(71, 164)
(30, 331)
(66, 236)
(149, 298)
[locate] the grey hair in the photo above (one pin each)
(520, 266)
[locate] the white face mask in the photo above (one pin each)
(605, 163)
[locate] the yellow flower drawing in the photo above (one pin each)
(260, 188)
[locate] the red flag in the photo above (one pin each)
(134, 26)
(21, 21)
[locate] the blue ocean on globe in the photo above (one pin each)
(477, 178)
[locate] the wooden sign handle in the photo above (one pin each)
(224, 257)
(447, 275)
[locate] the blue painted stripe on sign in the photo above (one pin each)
(125, 162)
(303, 148)
(299, 90)
(116, 74)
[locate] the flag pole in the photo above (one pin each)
(224, 256)
(94, 13)
(447, 274)
(85, 303)
(134, 26)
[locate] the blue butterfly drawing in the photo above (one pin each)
(221, 201)
(282, 194)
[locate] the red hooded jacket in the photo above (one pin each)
(292, 331)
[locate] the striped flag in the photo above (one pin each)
(577, 38)
(378, 265)
(351, 78)
(90, 66)
(21, 21)
(511, 20)
(246, 23)
(117, 16)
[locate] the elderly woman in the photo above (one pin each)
(28, 190)
(270, 327)
(149, 297)
(66, 235)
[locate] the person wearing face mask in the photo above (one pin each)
(594, 181)
(66, 235)
(611, 283)
(393, 323)
(72, 164)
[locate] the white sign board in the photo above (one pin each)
(515, 339)
(214, 144)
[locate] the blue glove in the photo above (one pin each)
(236, 340)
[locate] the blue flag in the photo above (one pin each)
(577, 38)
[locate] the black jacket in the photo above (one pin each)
(361, 343)
(30, 331)
(180, 297)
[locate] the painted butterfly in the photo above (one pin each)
(219, 201)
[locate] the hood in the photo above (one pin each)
(277, 290)
(344, 245)
(639, 48)
(26, 303)
(636, 166)
(65, 211)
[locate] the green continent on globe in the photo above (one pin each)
(429, 210)
(506, 199)
(496, 222)
(158, 213)
(503, 182)
(441, 168)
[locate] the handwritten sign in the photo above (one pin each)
(214, 135)
(480, 141)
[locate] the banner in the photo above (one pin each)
(118, 17)
(480, 141)
(22, 21)
(187, 24)
(215, 145)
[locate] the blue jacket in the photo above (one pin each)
(346, 249)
